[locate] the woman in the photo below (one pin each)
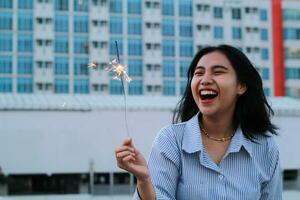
(223, 148)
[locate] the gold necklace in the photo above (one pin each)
(223, 139)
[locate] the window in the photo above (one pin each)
(5, 64)
(112, 46)
(264, 54)
(183, 68)
(168, 68)
(168, 87)
(25, 21)
(81, 86)
(134, 6)
(25, 64)
(115, 87)
(218, 12)
(61, 66)
(264, 34)
(186, 48)
(185, 8)
(25, 43)
(292, 33)
(62, 5)
(182, 87)
(263, 15)
(135, 87)
(5, 84)
(116, 25)
(115, 6)
(267, 91)
(168, 7)
(218, 32)
(61, 23)
(186, 28)
(292, 73)
(5, 42)
(81, 24)
(25, 4)
(135, 67)
(81, 45)
(6, 3)
(135, 47)
(236, 13)
(236, 33)
(291, 14)
(80, 66)
(61, 44)
(168, 48)
(5, 20)
(24, 85)
(80, 5)
(134, 26)
(61, 85)
(168, 27)
(265, 74)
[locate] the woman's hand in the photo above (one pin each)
(131, 160)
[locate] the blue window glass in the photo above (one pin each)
(25, 43)
(5, 20)
(81, 86)
(291, 14)
(81, 45)
(134, 26)
(218, 12)
(25, 4)
(25, 21)
(218, 32)
(135, 67)
(115, 87)
(81, 24)
(168, 48)
(186, 48)
(80, 66)
(135, 47)
(80, 5)
(168, 7)
(265, 74)
(25, 64)
(5, 85)
(134, 6)
(61, 66)
(112, 46)
(116, 25)
(115, 6)
(292, 73)
(183, 68)
(168, 27)
(5, 42)
(135, 87)
(5, 64)
(263, 15)
(169, 87)
(236, 33)
(186, 28)
(61, 23)
(267, 91)
(6, 3)
(264, 54)
(61, 85)
(61, 5)
(24, 85)
(185, 8)
(292, 33)
(264, 34)
(168, 68)
(182, 87)
(61, 44)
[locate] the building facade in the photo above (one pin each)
(45, 45)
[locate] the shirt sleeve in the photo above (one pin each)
(272, 190)
(164, 165)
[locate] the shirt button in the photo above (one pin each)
(221, 176)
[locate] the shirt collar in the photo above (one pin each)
(192, 141)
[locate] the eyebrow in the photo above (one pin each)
(213, 67)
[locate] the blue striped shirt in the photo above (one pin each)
(181, 168)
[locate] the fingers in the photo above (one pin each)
(128, 142)
(124, 148)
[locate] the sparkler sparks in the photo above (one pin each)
(119, 69)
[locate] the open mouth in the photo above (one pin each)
(208, 94)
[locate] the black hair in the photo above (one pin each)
(252, 112)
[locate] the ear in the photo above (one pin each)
(242, 88)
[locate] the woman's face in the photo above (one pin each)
(214, 85)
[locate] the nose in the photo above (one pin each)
(206, 80)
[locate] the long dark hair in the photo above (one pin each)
(252, 112)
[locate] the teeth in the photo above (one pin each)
(206, 92)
